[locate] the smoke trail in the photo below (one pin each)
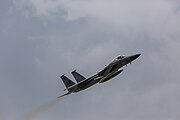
(38, 110)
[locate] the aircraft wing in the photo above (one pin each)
(84, 82)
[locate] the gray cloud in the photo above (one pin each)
(41, 39)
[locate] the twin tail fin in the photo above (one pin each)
(78, 77)
(67, 81)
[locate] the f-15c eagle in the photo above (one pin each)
(110, 71)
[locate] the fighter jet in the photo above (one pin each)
(110, 71)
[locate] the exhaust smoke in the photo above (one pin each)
(42, 108)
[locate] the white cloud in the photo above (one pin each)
(114, 10)
(157, 19)
(94, 32)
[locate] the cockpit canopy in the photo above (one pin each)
(120, 57)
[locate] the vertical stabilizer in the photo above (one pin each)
(78, 77)
(67, 81)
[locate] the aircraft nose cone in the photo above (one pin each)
(133, 57)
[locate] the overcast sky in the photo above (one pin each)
(42, 39)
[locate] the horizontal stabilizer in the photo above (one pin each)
(78, 77)
(64, 95)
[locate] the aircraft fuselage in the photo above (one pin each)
(110, 71)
